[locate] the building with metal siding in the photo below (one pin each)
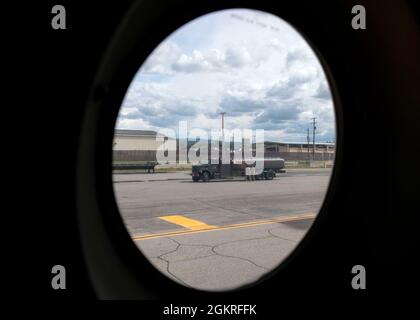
(128, 140)
(143, 144)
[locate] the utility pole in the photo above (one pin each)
(307, 140)
(223, 127)
(223, 124)
(313, 137)
(222, 144)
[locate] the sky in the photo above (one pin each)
(250, 64)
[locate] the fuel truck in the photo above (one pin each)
(206, 172)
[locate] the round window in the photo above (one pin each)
(223, 149)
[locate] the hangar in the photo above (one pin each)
(136, 145)
(141, 145)
(137, 140)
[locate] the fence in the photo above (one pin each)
(150, 155)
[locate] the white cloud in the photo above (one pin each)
(265, 77)
(168, 59)
(162, 58)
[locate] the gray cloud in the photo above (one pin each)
(237, 57)
(323, 91)
(275, 116)
(166, 114)
(297, 54)
(272, 108)
(157, 107)
(236, 106)
(281, 90)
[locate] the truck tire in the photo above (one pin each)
(195, 179)
(269, 175)
(205, 176)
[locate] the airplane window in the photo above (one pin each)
(223, 149)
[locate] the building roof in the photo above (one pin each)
(152, 133)
(299, 143)
(137, 133)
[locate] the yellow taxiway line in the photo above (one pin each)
(187, 222)
(202, 227)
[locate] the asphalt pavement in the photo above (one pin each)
(219, 235)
